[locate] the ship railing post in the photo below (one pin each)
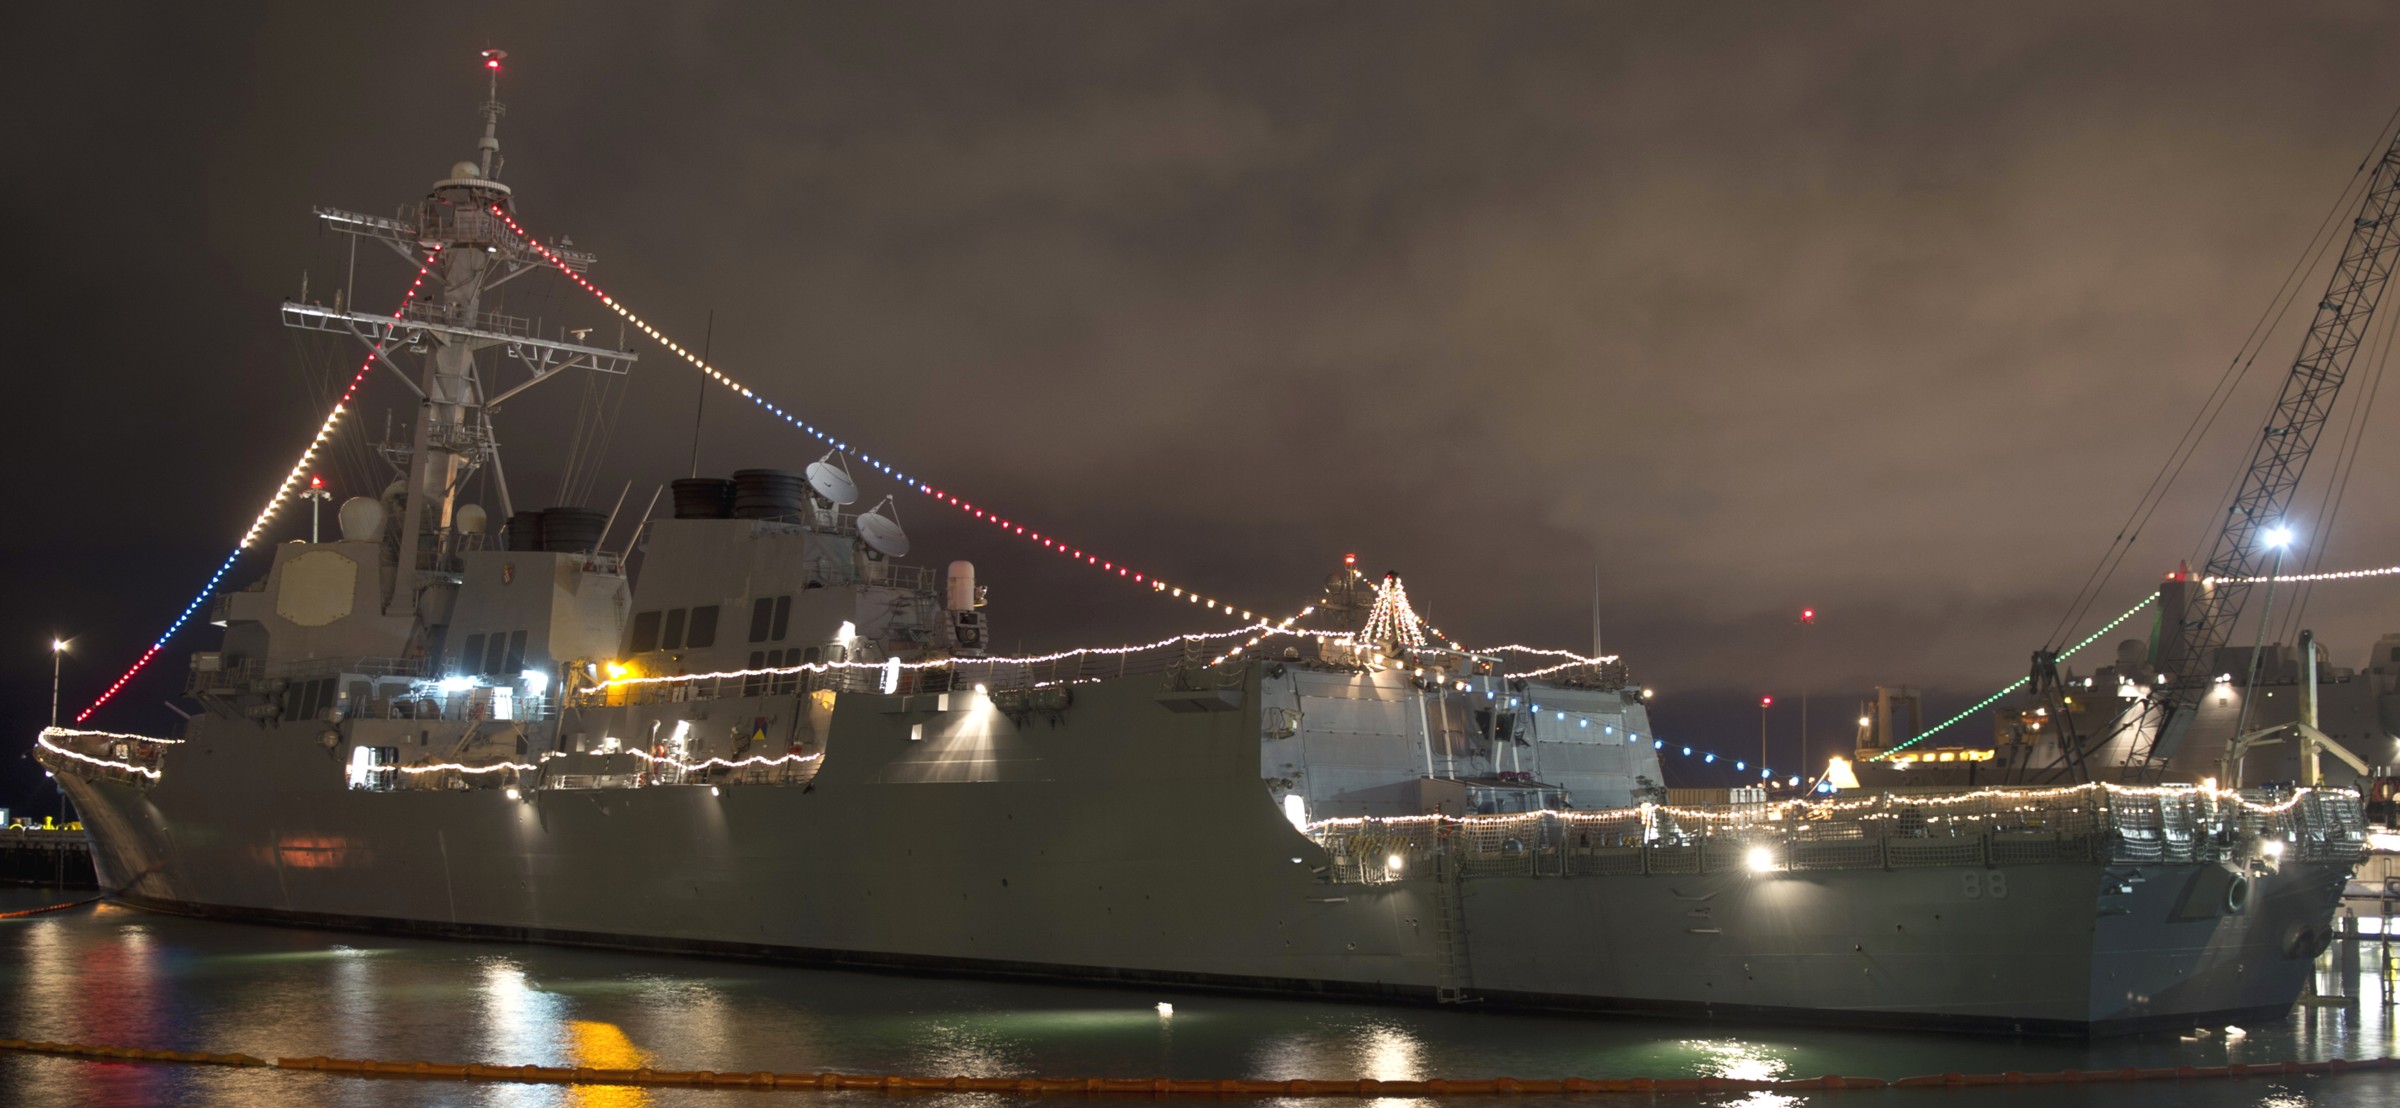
(1649, 831)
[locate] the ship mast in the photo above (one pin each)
(466, 249)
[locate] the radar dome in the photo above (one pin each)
(471, 519)
(362, 519)
(464, 171)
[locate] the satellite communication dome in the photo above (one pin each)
(361, 519)
(830, 476)
(465, 171)
(882, 532)
(471, 519)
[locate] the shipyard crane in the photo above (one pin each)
(2153, 736)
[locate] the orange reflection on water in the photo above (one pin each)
(605, 1046)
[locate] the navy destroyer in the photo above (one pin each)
(776, 737)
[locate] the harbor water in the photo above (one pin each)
(105, 974)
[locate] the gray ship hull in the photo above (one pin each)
(1134, 842)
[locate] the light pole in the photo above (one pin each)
(1808, 619)
(58, 654)
(1764, 703)
(2277, 538)
(317, 496)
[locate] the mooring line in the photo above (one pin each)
(1155, 1087)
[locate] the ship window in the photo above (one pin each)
(470, 657)
(495, 653)
(672, 637)
(702, 631)
(515, 663)
(783, 617)
(752, 684)
(762, 616)
(645, 633)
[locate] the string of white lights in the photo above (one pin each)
(283, 493)
(1813, 808)
(1017, 529)
(2300, 578)
(1283, 628)
(753, 760)
(1578, 663)
(1391, 619)
(73, 733)
(1577, 659)
(454, 767)
(940, 663)
(43, 740)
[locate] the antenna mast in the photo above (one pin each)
(492, 111)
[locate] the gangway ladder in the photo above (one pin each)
(1450, 930)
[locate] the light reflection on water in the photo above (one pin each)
(605, 1046)
(1735, 1058)
(113, 976)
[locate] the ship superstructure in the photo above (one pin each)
(779, 738)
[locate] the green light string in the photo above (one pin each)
(2019, 683)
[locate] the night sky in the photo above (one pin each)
(1892, 310)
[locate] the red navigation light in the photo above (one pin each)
(1808, 615)
(1766, 702)
(315, 481)
(491, 63)
(1349, 559)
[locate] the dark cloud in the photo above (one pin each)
(1890, 309)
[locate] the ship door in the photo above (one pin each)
(371, 767)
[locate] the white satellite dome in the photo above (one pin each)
(361, 519)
